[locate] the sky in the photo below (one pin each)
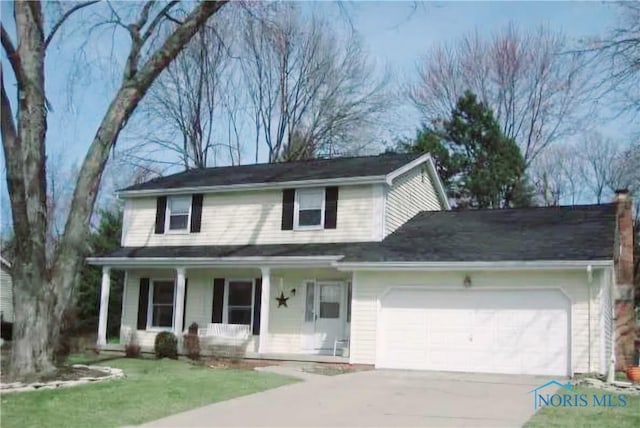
(396, 35)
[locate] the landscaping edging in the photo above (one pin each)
(111, 373)
(617, 386)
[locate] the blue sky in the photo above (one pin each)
(395, 33)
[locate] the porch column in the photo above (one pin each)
(177, 320)
(264, 309)
(104, 305)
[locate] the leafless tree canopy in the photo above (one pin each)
(302, 81)
(618, 57)
(537, 94)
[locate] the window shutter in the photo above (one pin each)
(257, 301)
(184, 305)
(196, 212)
(161, 209)
(143, 303)
(330, 207)
(288, 197)
(218, 300)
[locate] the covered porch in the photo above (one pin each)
(292, 311)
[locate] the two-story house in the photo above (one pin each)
(365, 254)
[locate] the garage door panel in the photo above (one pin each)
(506, 331)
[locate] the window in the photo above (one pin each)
(309, 212)
(330, 296)
(239, 302)
(161, 301)
(178, 212)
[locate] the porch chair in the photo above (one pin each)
(344, 344)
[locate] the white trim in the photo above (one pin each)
(167, 216)
(296, 209)
(353, 359)
(225, 302)
(124, 304)
(502, 265)
(406, 167)
(279, 261)
(152, 282)
(566, 295)
(369, 179)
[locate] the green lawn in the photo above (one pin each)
(618, 417)
(152, 389)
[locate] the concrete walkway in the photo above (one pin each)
(375, 398)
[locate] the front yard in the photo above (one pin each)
(152, 389)
(614, 417)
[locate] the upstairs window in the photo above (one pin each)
(309, 209)
(178, 213)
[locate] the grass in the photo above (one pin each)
(151, 390)
(600, 417)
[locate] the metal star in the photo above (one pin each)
(282, 301)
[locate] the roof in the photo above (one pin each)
(265, 173)
(569, 233)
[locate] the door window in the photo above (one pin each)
(330, 301)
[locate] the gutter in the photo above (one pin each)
(277, 261)
(471, 266)
(371, 179)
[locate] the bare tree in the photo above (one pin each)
(304, 82)
(555, 174)
(598, 157)
(618, 57)
(537, 94)
(42, 283)
(185, 105)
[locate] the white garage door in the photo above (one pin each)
(506, 331)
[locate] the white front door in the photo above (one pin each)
(325, 315)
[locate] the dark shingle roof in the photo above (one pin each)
(317, 169)
(584, 232)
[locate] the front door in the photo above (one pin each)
(324, 315)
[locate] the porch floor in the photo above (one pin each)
(314, 358)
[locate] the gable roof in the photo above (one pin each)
(568, 233)
(373, 168)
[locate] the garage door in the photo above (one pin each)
(508, 331)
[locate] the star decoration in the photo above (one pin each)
(282, 301)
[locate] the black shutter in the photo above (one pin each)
(218, 300)
(161, 208)
(184, 305)
(143, 303)
(288, 196)
(257, 301)
(196, 212)
(330, 207)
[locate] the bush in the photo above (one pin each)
(132, 349)
(166, 345)
(192, 342)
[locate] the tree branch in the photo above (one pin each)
(64, 17)
(14, 58)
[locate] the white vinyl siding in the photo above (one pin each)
(369, 286)
(252, 217)
(6, 295)
(410, 193)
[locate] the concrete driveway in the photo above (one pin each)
(376, 398)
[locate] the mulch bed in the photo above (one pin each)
(226, 363)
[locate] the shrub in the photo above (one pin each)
(132, 349)
(192, 342)
(166, 345)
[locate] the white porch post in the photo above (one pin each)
(178, 313)
(104, 305)
(264, 309)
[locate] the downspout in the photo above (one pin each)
(589, 282)
(612, 362)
